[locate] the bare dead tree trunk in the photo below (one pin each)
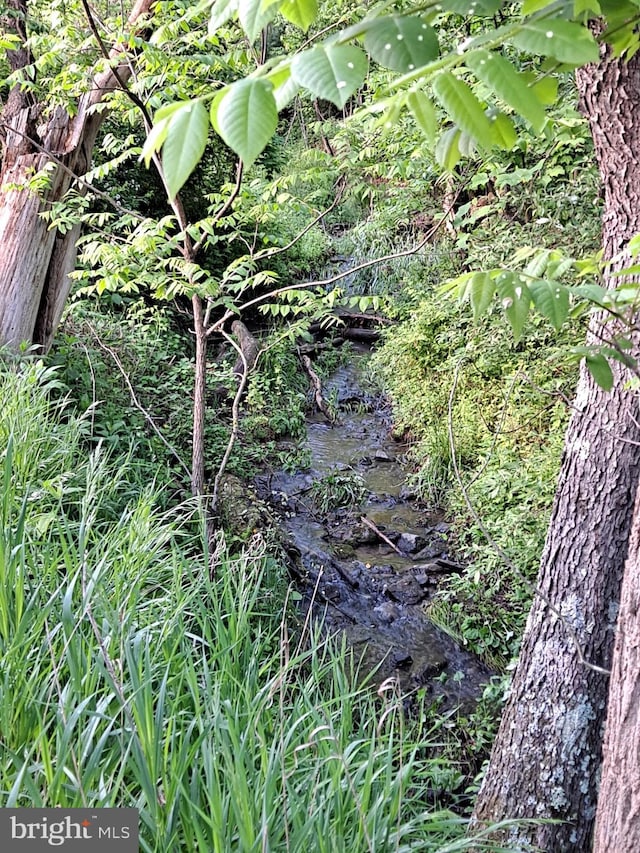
(35, 262)
(546, 758)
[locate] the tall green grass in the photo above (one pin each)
(138, 668)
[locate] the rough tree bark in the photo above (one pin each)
(35, 262)
(618, 817)
(546, 758)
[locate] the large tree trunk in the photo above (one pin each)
(545, 761)
(618, 817)
(35, 261)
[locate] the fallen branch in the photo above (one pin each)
(319, 346)
(440, 566)
(356, 334)
(379, 533)
(316, 384)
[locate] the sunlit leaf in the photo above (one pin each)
(185, 141)
(246, 117)
(516, 300)
(221, 12)
(154, 140)
(285, 87)
(552, 300)
(589, 6)
(563, 40)
(391, 114)
(401, 43)
(467, 145)
(301, 13)
(600, 369)
(504, 132)
(333, 72)
(463, 107)
(254, 17)
(472, 7)
(481, 290)
(447, 152)
(544, 88)
(9, 41)
(424, 113)
(508, 84)
(595, 293)
(530, 6)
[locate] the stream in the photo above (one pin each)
(367, 570)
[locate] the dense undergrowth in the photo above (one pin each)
(142, 667)
(466, 388)
(146, 666)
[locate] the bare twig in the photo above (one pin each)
(77, 178)
(217, 216)
(137, 403)
(378, 532)
(392, 256)
(235, 419)
(320, 401)
(94, 401)
(339, 188)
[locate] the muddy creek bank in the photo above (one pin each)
(367, 569)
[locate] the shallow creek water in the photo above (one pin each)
(354, 580)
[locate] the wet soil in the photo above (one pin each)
(368, 570)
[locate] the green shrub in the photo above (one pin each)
(344, 488)
(141, 669)
(507, 414)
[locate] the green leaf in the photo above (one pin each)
(552, 300)
(221, 12)
(458, 286)
(563, 40)
(594, 293)
(481, 290)
(467, 145)
(508, 84)
(447, 152)
(285, 87)
(254, 17)
(184, 144)
(539, 262)
(504, 133)
(530, 6)
(516, 299)
(333, 72)
(246, 117)
(401, 43)
(472, 7)
(155, 140)
(463, 107)
(391, 114)
(168, 110)
(588, 6)
(301, 13)
(424, 113)
(213, 111)
(9, 41)
(600, 369)
(545, 89)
